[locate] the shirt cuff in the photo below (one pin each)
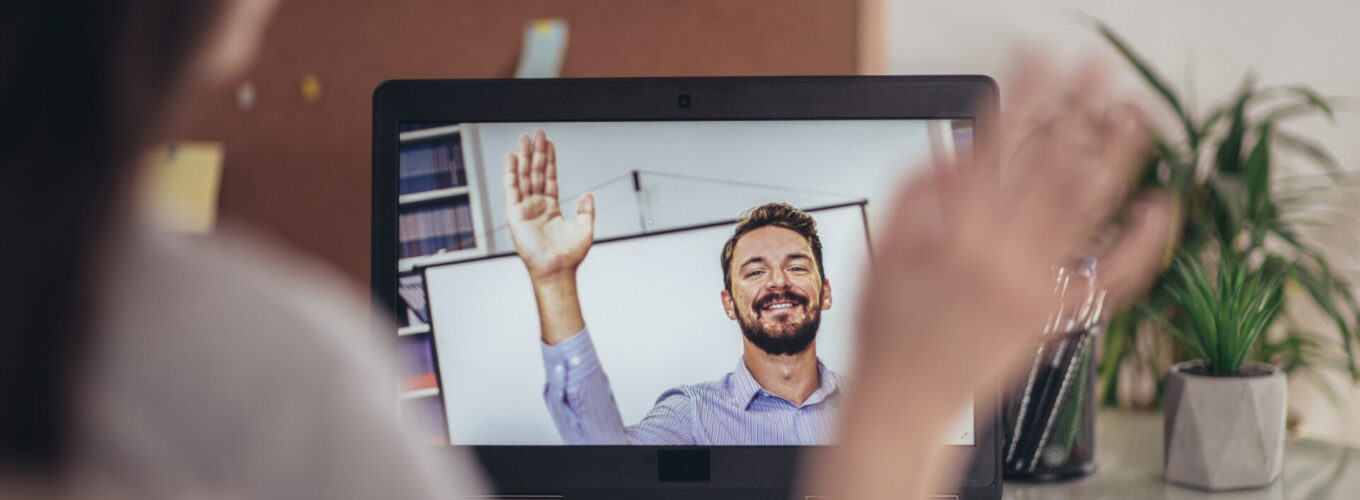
(571, 361)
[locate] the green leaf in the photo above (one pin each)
(1265, 303)
(1232, 202)
(1311, 98)
(1190, 340)
(1288, 112)
(1312, 339)
(1117, 347)
(1316, 356)
(1152, 78)
(1324, 300)
(1227, 314)
(1257, 179)
(1319, 288)
(1229, 154)
(1194, 293)
(1342, 289)
(1312, 149)
(1321, 383)
(1214, 117)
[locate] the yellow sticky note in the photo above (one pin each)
(545, 46)
(181, 186)
(310, 86)
(543, 27)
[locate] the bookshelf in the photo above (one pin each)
(441, 219)
(439, 205)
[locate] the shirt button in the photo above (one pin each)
(575, 360)
(559, 369)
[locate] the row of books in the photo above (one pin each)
(431, 165)
(415, 356)
(428, 229)
(428, 415)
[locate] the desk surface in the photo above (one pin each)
(1129, 467)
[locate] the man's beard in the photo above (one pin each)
(793, 339)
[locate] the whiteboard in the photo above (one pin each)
(653, 307)
(809, 163)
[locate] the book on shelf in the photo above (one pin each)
(411, 289)
(420, 382)
(431, 165)
(416, 358)
(429, 228)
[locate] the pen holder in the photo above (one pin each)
(1050, 428)
(1048, 419)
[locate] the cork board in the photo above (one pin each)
(301, 170)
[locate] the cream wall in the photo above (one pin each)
(1203, 45)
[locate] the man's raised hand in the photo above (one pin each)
(551, 246)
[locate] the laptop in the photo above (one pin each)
(648, 385)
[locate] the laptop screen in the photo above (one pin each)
(693, 334)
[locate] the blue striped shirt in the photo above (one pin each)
(734, 410)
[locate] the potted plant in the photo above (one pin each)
(1225, 416)
(1223, 166)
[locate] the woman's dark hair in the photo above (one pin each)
(81, 83)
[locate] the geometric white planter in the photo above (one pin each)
(1224, 433)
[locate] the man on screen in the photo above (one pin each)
(774, 288)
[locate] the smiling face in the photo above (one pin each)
(777, 292)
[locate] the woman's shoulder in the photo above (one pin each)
(226, 361)
(227, 302)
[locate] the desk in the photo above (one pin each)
(1129, 467)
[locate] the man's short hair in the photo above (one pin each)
(773, 214)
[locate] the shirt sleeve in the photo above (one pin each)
(582, 403)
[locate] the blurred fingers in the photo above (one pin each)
(1030, 96)
(1100, 171)
(919, 213)
(1091, 91)
(1129, 267)
(1124, 153)
(1082, 167)
(1031, 74)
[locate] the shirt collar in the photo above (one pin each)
(745, 388)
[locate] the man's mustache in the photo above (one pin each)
(765, 301)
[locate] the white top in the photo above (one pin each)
(223, 368)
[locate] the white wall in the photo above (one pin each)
(1203, 45)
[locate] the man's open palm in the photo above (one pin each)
(548, 243)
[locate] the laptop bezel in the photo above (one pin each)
(632, 471)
